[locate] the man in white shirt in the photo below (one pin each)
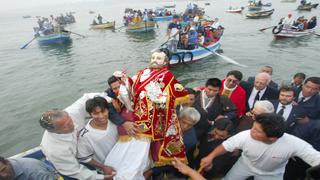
(265, 150)
(215, 24)
(288, 22)
(98, 137)
(59, 141)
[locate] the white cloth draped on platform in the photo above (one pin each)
(130, 159)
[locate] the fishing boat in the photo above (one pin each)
(291, 33)
(162, 14)
(55, 38)
(235, 10)
(103, 25)
(288, 1)
(170, 5)
(163, 18)
(260, 14)
(253, 6)
(143, 26)
(183, 56)
(307, 7)
(27, 16)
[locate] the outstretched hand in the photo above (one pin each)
(206, 163)
(183, 168)
(131, 128)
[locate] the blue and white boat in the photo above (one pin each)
(163, 18)
(55, 38)
(183, 56)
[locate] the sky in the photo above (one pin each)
(13, 5)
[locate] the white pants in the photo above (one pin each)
(130, 159)
(240, 171)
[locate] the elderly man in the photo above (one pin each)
(260, 107)
(59, 141)
(26, 169)
(266, 149)
(155, 92)
(260, 90)
(269, 70)
(231, 88)
(288, 22)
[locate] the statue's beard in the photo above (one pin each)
(155, 65)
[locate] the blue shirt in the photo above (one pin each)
(32, 169)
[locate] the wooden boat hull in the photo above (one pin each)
(163, 18)
(103, 25)
(57, 38)
(305, 8)
(291, 33)
(169, 6)
(234, 10)
(257, 15)
(141, 27)
(189, 56)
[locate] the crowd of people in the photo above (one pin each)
(300, 24)
(53, 24)
(193, 33)
(136, 16)
(149, 126)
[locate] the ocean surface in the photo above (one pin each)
(37, 78)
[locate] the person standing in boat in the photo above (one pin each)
(173, 34)
(99, 19)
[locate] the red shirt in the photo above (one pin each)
(238, 97)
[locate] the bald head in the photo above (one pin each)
(262, 80)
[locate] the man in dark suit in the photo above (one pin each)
(284, 105)
(260, 90)
(308, 98)
(297, 81)
(215, 105)
(266, 69)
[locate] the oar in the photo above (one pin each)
(73, 33)
(153, 50)
(114, 30)
(229, 60)
(24, 46)
(266, 28)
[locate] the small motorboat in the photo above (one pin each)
(103, 25)
(235, 10)
(279, 32)
(26, 17)
(307, 7)
(260, 14)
